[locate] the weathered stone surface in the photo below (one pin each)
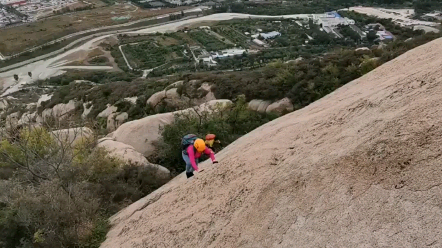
(283, 105)
(108, 111)
(115, 120)
(129, 155)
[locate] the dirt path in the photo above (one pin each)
(360, 167)
(401, 16)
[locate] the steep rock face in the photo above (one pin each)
(128, 154)
(360, 167)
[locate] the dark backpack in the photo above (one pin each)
(187, 141)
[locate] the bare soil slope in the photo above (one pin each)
(361, 167)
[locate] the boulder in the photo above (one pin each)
(86, 110)
(71, 135)
(172, 93)
(192, 88)
(259, 105)
(3, 104)
(174, 100)
(132, 100)
(363, 50)
(108, 111)
(283, 105)
(176, 84)
(60, 111)
(43, 98)
(27, 118)
(156, 98)
(115, 120)
(128, 154)
(31, 106)
(12, 120)
(142, 134)
(209, 97)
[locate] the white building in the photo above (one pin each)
(332, 19)
(259, 42)
(228, 53)
(269, 35)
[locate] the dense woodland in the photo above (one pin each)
(320, 6)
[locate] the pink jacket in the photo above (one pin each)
(194, 155)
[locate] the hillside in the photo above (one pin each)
(358, 168)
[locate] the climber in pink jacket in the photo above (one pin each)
(192, 152)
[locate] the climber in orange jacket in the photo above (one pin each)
(192, 149)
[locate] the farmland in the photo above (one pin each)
(210, 42)
(19, 38)
(150, 54)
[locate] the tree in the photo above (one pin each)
(16, 77)
(371, 36)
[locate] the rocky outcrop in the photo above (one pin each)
(129, 155)
(60, 111)
(12, 120)
(282, 106)
(156, 98)
(362, 50)
(43, 98)
(115, 120)
(132, 100)
(27, 119)
(175, 100)
(142, 134)
(71, 135)
(193, 94)
(108, 111)
(3, 104)
(87, 108)
(258, 105)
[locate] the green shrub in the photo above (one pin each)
(228, 124)
(62, 192)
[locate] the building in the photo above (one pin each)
(385, 35)
(269, 35)
(259, 42)
(332, 19)
(228, 53)
(209, 62)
